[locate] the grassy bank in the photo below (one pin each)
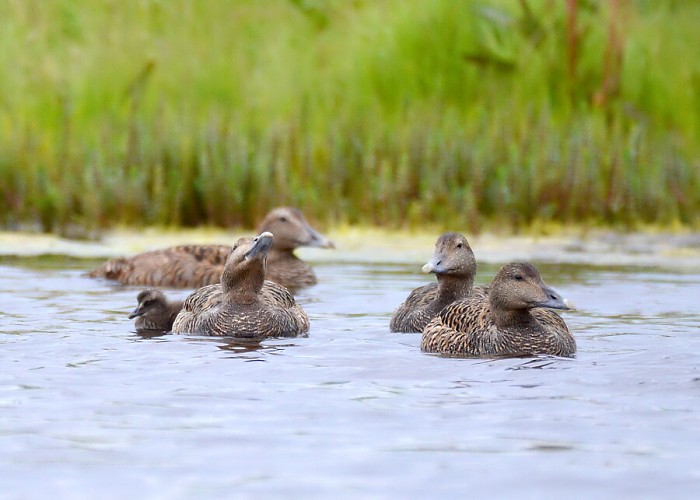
(463, 114)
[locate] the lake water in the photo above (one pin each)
(90, 409)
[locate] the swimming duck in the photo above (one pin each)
(236, 307)
(510, 321)
(154, 311)
(193, 266)
(454, 265)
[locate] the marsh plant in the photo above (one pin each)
(463, 113)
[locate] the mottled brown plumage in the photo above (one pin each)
(509, 322)
(154, 311)
(237, 307)
(193, 266)
(454, 265)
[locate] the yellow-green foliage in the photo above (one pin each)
(451, 112)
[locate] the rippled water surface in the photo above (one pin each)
(90, 409)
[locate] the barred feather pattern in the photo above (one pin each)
(243, 305)
(465, 328)
(420, 307)
(505, 322)
(454, 265)
(211, 296)
(186, 266)
(276, 314)
(194, 266)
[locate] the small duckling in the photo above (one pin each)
(507, 323)
(194, 266)
(237, 307)
(454, 266)
(154, 311)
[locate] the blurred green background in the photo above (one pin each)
(468, 114)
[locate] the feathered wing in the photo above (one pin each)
(208, 254)
(206, 312)
(411, 315)
(415, 313)
(211, 296)
(287, 322)
(193, 266)
(457, 329)
(562, 342)
(184, 266)
(466, 328)
(199, 310)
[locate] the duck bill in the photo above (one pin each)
(553, 301)
(317, 240)
(136, 313)
(261, 245)
(433, 266)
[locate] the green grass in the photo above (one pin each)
(460, 114)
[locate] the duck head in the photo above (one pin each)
(291, 230)
(150, 301)
(245, 266)
(519, 286)
(452, 256)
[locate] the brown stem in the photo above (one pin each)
(612, 60)
(572, 40)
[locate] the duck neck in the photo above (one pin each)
(243, 285)
(451, 288)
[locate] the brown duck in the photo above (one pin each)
(508, 322)
(237, 307)
(154, 311)
(454, 265)
(193, 266)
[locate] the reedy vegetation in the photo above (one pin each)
(461, 113)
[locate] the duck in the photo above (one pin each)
(195, 266)
(454, 266)
(237, 306)
(514, 319)
(154, 311)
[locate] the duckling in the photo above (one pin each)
(454, 265)
(507, 323)
(194, 266)
(154, 311)
(237, 307)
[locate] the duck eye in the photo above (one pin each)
(459, 245)
(283, 218)
(518, 277)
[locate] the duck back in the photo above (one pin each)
(243, 305)
(466, 329)
(454, 265)
(513, 319)
(185, 266)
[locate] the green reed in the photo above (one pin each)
(466, 114)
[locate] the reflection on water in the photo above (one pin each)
(89, 408)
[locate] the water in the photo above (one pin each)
(90, 409)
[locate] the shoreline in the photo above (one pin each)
(674, 249)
